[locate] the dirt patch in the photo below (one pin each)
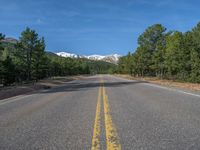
(169, 83)
(11, 91)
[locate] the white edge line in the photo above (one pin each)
(13, 99)
(162, 87)
(20, 97)
(171, 89)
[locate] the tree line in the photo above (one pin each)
(27, 61)
(165, 54)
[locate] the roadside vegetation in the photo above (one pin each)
(26, 61)
(165, 54)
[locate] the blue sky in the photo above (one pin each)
(95, 27)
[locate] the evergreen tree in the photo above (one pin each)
(172, 55)
(1, 51)
(38, 59)
(195, 54)
(29, 53)
(8, 71)
(150, 43)
(27, 45)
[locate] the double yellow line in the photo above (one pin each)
(112, 139)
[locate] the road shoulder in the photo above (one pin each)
(14, 91)
(183, 87)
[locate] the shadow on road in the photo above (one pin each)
(86, 85)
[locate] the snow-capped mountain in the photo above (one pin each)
(112, 58)
(65, 54)
(108, 58)
(95, 57)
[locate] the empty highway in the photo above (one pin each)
(102, 112)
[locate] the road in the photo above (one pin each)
(102, 112)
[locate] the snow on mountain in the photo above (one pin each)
(95, 57)
(108, 58)
(111, 58)
(65, 54)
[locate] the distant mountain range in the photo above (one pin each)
(9, 40)
(113, 58)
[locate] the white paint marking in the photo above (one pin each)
(13, 99)
(171, 89)
(162, 87)
(21, 97)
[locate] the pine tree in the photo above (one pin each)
(38, 63)
(8, 71)
(29, 53)
(175, 56)
(151, 41)
(195, 54)
(1, 51)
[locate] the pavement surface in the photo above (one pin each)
(102, 112)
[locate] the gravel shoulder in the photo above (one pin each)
(168, 83)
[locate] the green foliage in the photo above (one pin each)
(171, 55)
(151, 43)
(26, 60)
(174, 53)
(195, 54)
(38, 60)
(1, 45)
(60, 66)
(126, 64)
(29, 48)
(8, 72)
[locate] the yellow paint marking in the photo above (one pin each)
(96, 132)
(112, 138)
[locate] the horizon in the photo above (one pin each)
(111, 54)
(95, 27)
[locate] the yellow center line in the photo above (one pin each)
(96, 132)
(112, 138)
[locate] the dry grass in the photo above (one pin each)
(170, 83)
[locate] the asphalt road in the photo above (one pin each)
(102, 112)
